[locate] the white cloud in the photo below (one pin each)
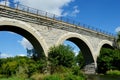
(5, 3)
(52, 6)
(26, 44)
(5, 55)
(76, 11)
(12, 33)
(65, 14)
(72, 13)
(21, 55)
(117, 29)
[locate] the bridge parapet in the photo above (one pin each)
(27, 14)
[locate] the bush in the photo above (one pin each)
(67, 76)
(2, 76)
(73, 77)
(109, 59)
(37, 76)
(61, 55)
(76, 70)
(20, 66)
(52, 77)
(80, 60)
(13, 78)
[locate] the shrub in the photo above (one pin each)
(73, 77)
(60, 56)
(52, 77)
(2, 76)
(76, 70)
(37, 76)
(13, 78)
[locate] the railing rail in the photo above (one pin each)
(52, 16)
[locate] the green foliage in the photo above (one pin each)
(13, 78)
(61, 56)
(47, 77)
(104, 60)
(37, 76)
(68, 76)
(116, 59)
(80, 60)
(113, 72)
(118, 40)
(76, 71)
(61, 61)
(74, 77)
(20, 66)
(108, 59)
(52, 77)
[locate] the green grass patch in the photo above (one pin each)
(13, 78)
(48, 77)
(113, 72)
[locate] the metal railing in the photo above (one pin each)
(52, 16)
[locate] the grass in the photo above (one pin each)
(113, 72)
(13, 78)
(47, 77)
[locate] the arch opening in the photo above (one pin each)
(30, 37)
(107, 46)
(105, 58)
(83, 48)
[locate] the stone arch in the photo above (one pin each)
(105, 43)
(25, 30)
(81, 42)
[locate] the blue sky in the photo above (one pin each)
(10, 44)
(101, 14)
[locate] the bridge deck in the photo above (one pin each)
(50, 21)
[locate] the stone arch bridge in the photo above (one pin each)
(43, 32)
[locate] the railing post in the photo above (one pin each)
(54, 16)
(88, 26)
(46, 14)
(79, 24)
(61, 18)
(17, 5)
(5, 2)
(67, 20)
(37, 11)
(28, 9)
(84, 25)
(73, 22)
(96, 29)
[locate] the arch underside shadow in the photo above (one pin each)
(37, 46)
(84, 49)
(107, 46)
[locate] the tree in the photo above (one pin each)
(80, 60)
(61, 56)
(117, 41)
(31, 53)
(104, 60)
(109, 59)
(116, 59)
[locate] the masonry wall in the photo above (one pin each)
(52, 35)
(49, 36)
